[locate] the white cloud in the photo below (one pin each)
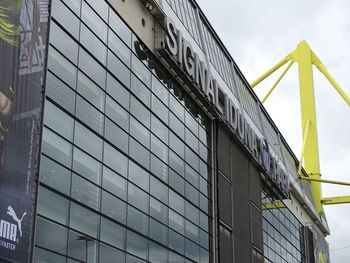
(261, 32)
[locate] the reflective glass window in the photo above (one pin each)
(58, 121)
(64, 69)
(118, 92)
(112, 233)
(60, 92)
(56, 147)
(158, 232)
(138, 198)
(84, 220)
(113, 207)
(50, 235)
(137, 220)
(52, 206)
(85, 192)
(115, 160)
(114, 183)
(87, 166)
(55, 175)
(88, 141)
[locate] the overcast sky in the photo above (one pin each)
(258, 33)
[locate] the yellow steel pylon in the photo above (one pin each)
(306, 58)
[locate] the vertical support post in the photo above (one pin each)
(303, 55)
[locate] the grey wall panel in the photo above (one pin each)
(225, 205)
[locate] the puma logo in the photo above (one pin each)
(12, 213)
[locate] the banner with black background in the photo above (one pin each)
(23, 37)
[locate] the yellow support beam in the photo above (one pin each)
(303, 55)
(277, 81)
(271, 70)
(306, 58)
(303, 148)
(336, 200)
(273, 205)
(324, 181)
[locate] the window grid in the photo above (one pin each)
(100, 110)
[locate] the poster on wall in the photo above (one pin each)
(23, 37)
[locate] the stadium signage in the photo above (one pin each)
(189, 62)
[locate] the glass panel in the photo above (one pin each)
(159, 190)
(44, 256)
(60, 92)
(90, 91)
(192, 231)
(138, 176)
(58, 120)
(159, 211)
(112, 233)
(120, 71)
(157, 254)
(138, 220)
(64, 69)
(139, 132)
(140, 112)
(141, 71)
(113, 207)
(89, 115)
(56, 147)
(63, 43)
(50, 235)
(87, 166)
(158, 232)
(101, 7)
(88, 141)
(139, 153)
(176, 202)
(115, 160)
(176, 163)
(160, 91)
(138, 198)
(55, 175)
(119, 27)
(116, 136)
(84, 220)
(94, 22)
(137, 245)
(177, 182)
(52, 206)
(119, 48)
(114, 183)
(82, 247)
(159, 149)
(176, 222)
(177, 145)
(91, 68)
(117, 113)
(118, 92)
(159, 169)
(192, 176)
(85, 192)
(140, 90)
(160, 130)
(160, 109)
(74, 5)
(66, 18)
(109, 254)
(176, 241)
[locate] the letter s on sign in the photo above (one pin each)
(170, 39)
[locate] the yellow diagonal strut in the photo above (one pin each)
(306, 58)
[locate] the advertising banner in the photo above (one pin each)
(23, 37)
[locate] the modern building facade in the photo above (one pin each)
(141, 141)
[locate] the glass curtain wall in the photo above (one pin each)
(125, 152)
